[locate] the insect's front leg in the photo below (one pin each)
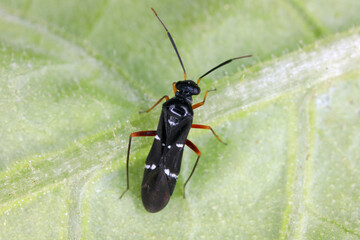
(203, 101)
(174, 88)
(166, 97)
(134, 134)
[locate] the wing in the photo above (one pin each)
(155, 191)
(179, 117)
(166, 152)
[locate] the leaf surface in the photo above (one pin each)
(74, 76)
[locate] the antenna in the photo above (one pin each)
(172, 42)
(220, 65)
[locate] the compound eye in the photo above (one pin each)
(196, 90)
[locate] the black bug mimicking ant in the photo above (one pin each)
(163, 163)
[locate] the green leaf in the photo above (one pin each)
(74, 76)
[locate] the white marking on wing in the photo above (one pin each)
(180, 145)
(173, 175)
(153, 167)
(157, 137)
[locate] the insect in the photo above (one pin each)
(162, 166)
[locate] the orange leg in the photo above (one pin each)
(166, 97)
(174, 88)
(134, 134)
(207, 127)
(202, 103)
(196, 150)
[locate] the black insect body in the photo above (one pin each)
(163, 163)
(162, 166)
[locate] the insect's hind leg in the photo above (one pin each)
(196, 150)
(207, 127)
(166, 97)
(203, 101)
(134, 134)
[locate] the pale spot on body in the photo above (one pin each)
(173, 175)
(152, 167)
(172, 123)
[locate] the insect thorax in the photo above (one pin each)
(179, 107)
